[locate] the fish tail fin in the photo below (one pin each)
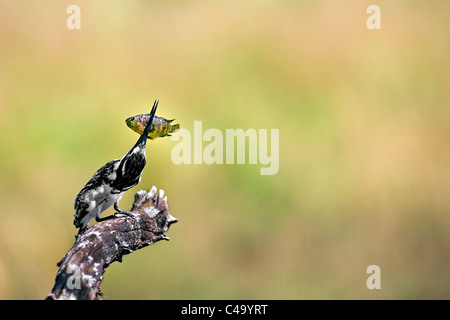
(176, 127)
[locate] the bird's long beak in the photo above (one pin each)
(143, 137)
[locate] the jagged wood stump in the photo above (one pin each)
(81, 270)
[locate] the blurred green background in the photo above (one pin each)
(363, 115)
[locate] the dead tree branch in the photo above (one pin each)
(81, 270)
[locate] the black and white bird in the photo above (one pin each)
(109, 183)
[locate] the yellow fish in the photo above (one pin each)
(161, 127)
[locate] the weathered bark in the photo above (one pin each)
(81, 270)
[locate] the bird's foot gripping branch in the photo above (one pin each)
(81, 270)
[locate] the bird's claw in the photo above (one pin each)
(121, 212)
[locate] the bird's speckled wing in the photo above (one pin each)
(91, 193)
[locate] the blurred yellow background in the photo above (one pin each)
(363, 115)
